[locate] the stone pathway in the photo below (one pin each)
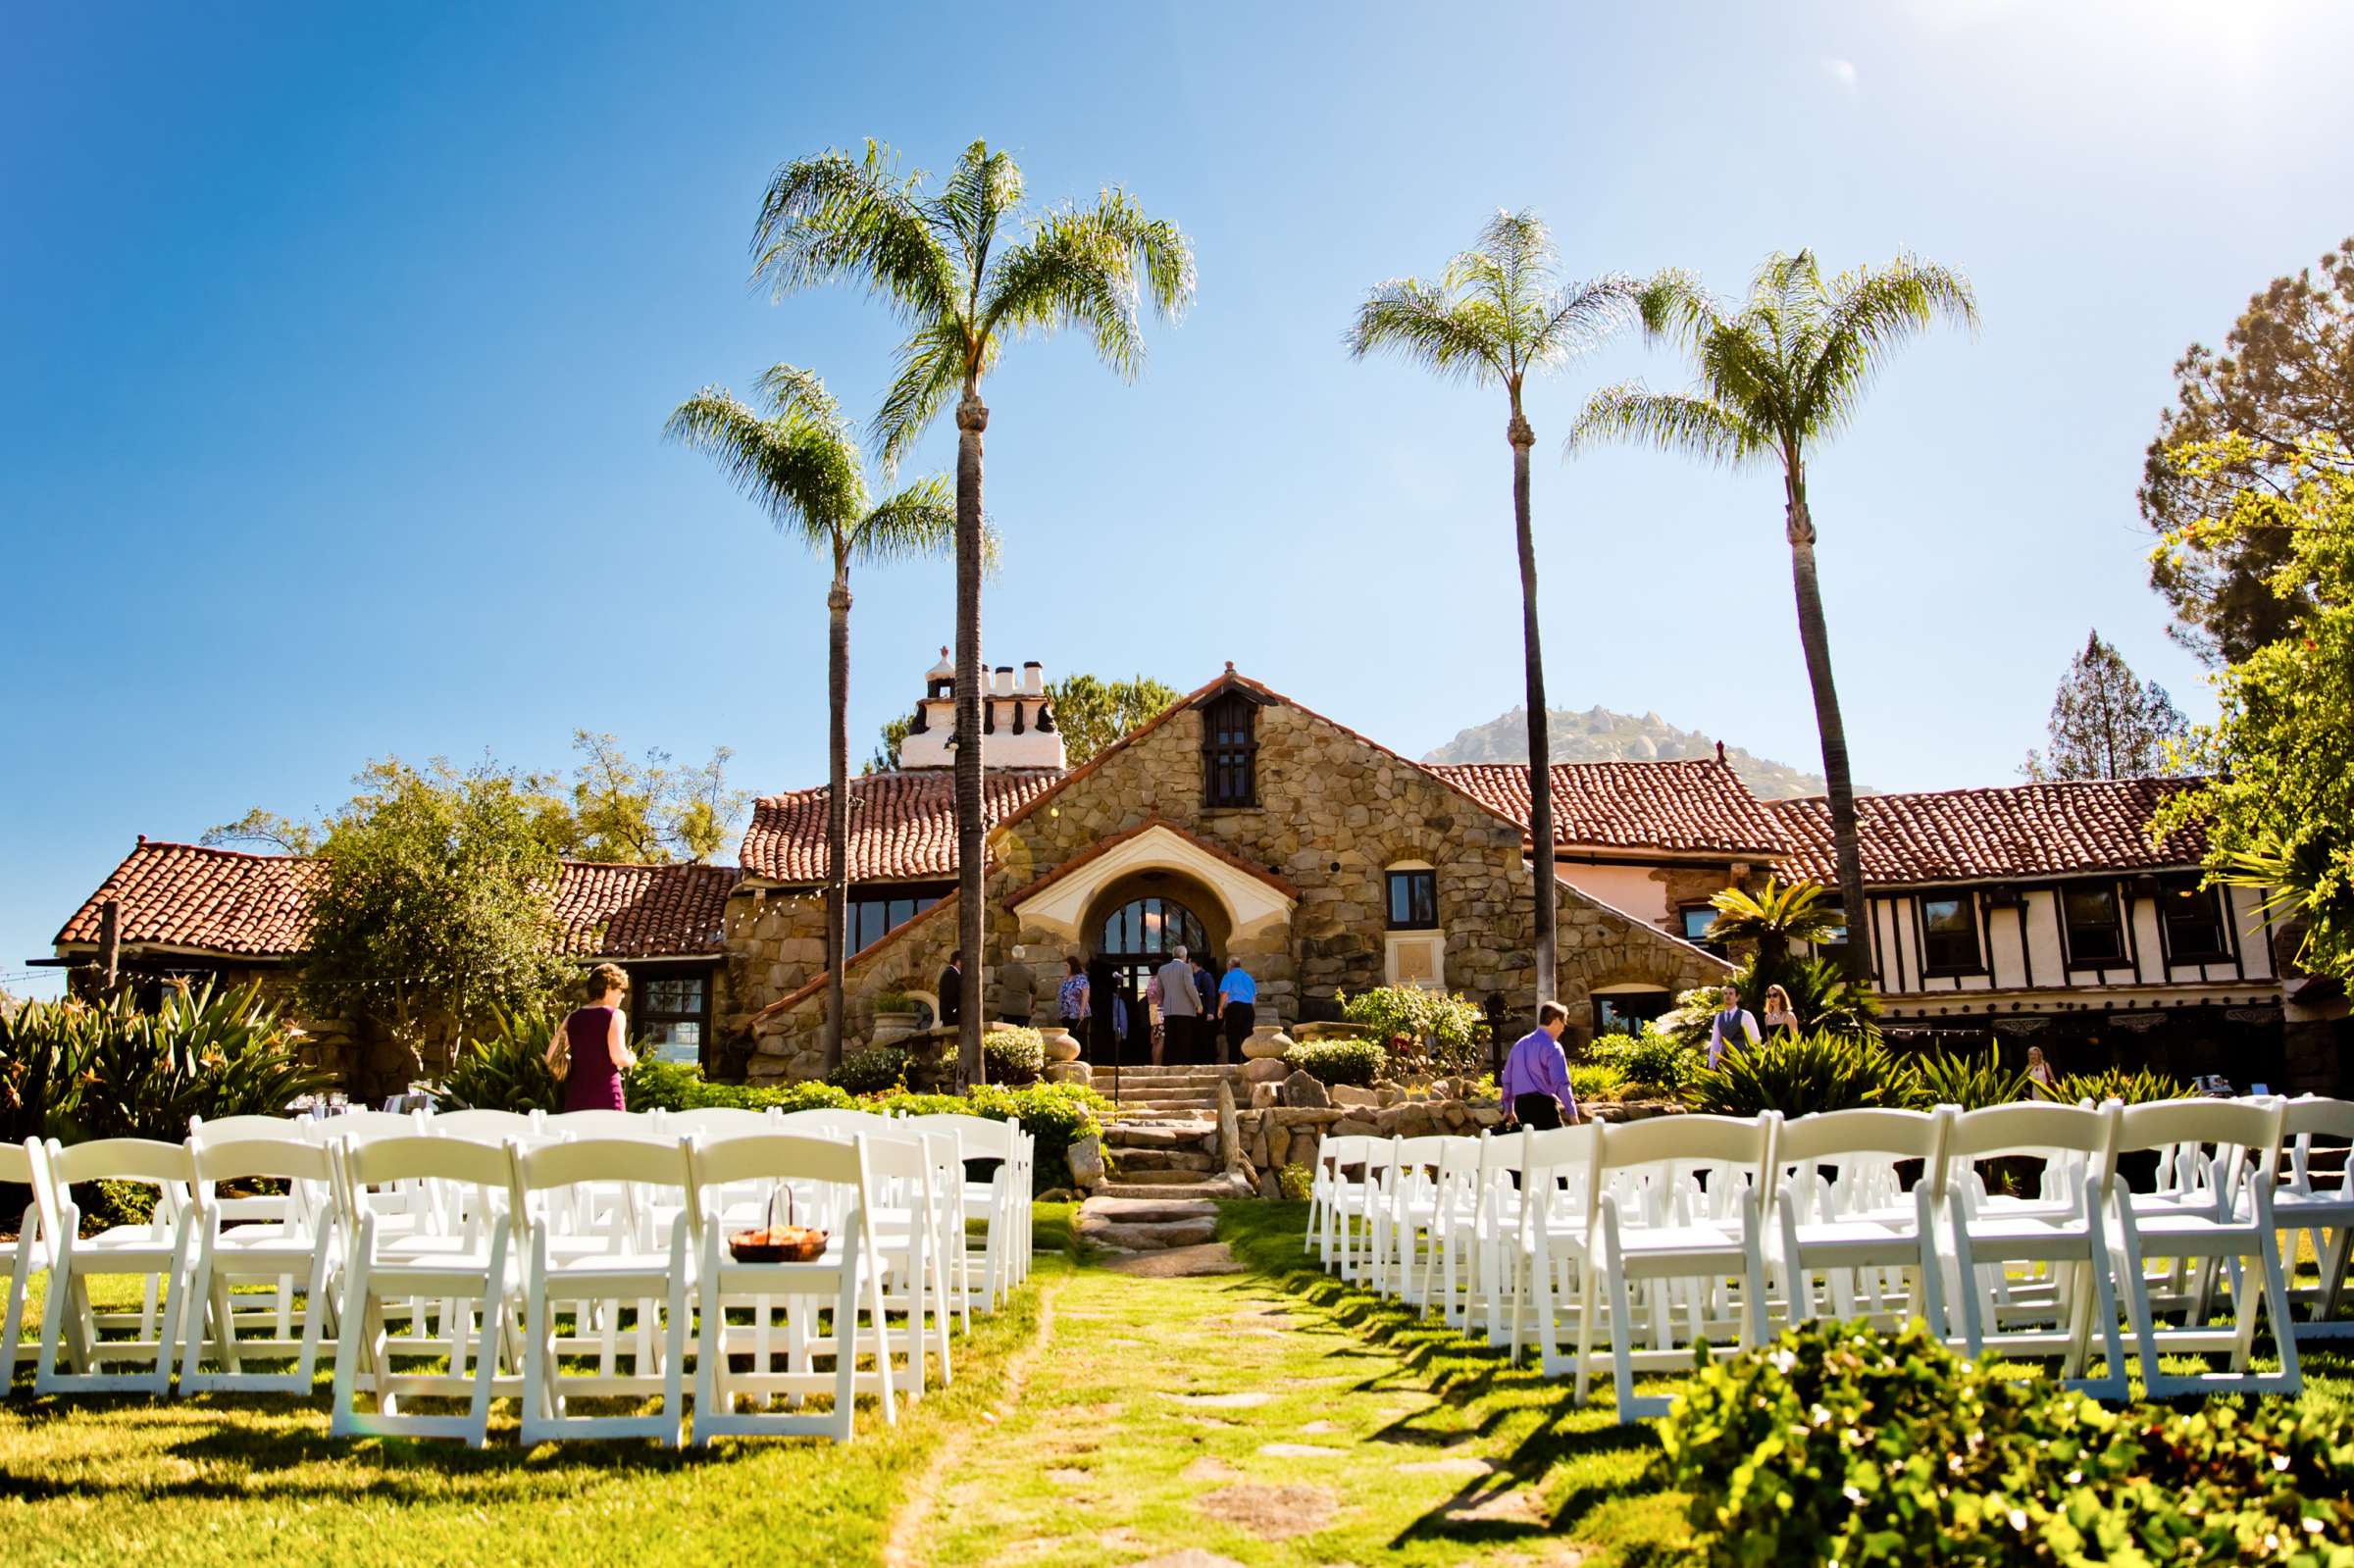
(1212, 1419)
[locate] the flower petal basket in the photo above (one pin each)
(779, 1244)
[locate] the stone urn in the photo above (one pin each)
(1268, 1044)
(897, 1023)
(1060, 1046)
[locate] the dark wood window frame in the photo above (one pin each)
(1411, 877)
(2077, 957)
(1230, 752)
(646, 1017)
(1657, 1001)
(881, 896)
(2211, 898)
(1690, 929)
(1934, 961)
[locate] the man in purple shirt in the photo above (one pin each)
(1536, 1076)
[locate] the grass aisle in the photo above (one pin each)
(1271, 1417)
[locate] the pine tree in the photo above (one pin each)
(2106, 724)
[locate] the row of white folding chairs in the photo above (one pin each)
(1554, 1234)
(185, 1243)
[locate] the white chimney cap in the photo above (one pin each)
(945, 670)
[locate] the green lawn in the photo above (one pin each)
(1269, 1417)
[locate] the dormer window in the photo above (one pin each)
(1230, 751)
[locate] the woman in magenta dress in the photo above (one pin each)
(590, 1051)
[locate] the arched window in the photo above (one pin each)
(1147, 926)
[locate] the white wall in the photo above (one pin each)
(1632, 889)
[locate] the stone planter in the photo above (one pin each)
(1268, 1044)
(893, 1027)
(1060, 1046)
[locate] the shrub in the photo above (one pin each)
(2116, 1084)
(505, 1068)
(1296, 1183)
(44, 1054)
(1800, 1076)
(1357, 1062)
(1959, 1078)
(1013, 1055)
(1450, 1031)
(206, 1052)
(872, 1071)
(1597, 1080)
(895, 1002)
(1839, 1444)
(1056, 1115)
(1653, 1062)
(681, 1087)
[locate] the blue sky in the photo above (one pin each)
(337, 344)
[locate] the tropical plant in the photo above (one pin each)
(1774, 379)
(1969, 1080)
(2116, 1084)
(1355, 1062)
(872, 1071)
(934, 256)
(1820, 994)
(1597, 1080)
(1774, 916)
(1448, 1032)
(1497, 315)
(1800, 1077)
(1015, 1055)
(44, 1059)
(207, 1051)
(798, 461)
(503, 1066)
(1653, 1062)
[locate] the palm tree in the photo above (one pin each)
(953, 265)
(1772, 380)
(1773, 918)
(800, 462)
(1497, 315)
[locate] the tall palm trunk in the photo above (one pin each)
(838, 803)
(1540, 745)
(972, 418)
(1855, 959)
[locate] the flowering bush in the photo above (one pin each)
(1013, 1055)
(1448, 1034)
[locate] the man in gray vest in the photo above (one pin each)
(1180, 1006)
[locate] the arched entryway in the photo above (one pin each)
(1135, 927)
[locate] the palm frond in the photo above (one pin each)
(800, 397)
(1676, 309)
(980, 190)
(933, 366)
(1420, 322)
(804, 476)
(919, 521)
(1672, 421)
(1571, 321)
(835, 216)
(1871, 312)
(1089, 267)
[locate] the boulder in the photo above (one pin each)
(1264, 1096)
(1230, 1135)
(1265, 1070)
(1070, 1073)
(1304, 1091)
(1349, 1098)
(1354, 1127)
(1087, 1162)
(1279, 1144)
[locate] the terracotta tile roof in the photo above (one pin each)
(2034, 830)
(902, 825)
(189, 898)
(1696, 804)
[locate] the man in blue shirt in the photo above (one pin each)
(1238, 993)
(1535, 1084)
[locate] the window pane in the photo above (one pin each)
(1951, 933)
(2194, 924)
(902, 910)
(1697, 920)
(2093, 935)
(672, 998)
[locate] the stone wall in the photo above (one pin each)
(1335, 811)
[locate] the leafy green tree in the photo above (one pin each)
(1092, 713)
(2106, 724)
(1775, 379)
(893, 736)
(1497, 314)
(2279, 801)
(798, 463)
(2286, 376)
(966, 273)
(434, 906)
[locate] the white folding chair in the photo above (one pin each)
(833, 1173)
(394, 1265)
(2235, 1224)
(645, 1126)
(1454, 1205)
(1649, 1220)
(1492, 1302)
(72, 1331)
(2064, 1230)
(1856, 1226)
(293, 1253)
(2320, 1206)
(605, 1269)
(1407, 1203)
(21, 1165)
(984, 1276)
(913, 1178)
(481, 1126)
(716, 1122)
(1348, 1211)
(1548, 1252)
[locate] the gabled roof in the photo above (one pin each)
(2032, 830)
(194, 900)
(1694, 804)
(902, 825)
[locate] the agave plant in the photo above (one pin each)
(207, 1051)
(2116, 1084)
(1969, 1081)
(1800, 1077)
(504, 1067)
(1826, 1001)
(44, 1054)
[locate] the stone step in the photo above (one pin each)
(1133, 1176)
(1162, 1134)
(1151, 1210)
(1218, 1186)
(1148, 1224)
(1165, 1159)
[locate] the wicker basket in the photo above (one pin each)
(779, 1244)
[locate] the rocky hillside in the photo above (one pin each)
(1600, 736)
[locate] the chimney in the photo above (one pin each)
(1011, 707)
(1034, 679)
